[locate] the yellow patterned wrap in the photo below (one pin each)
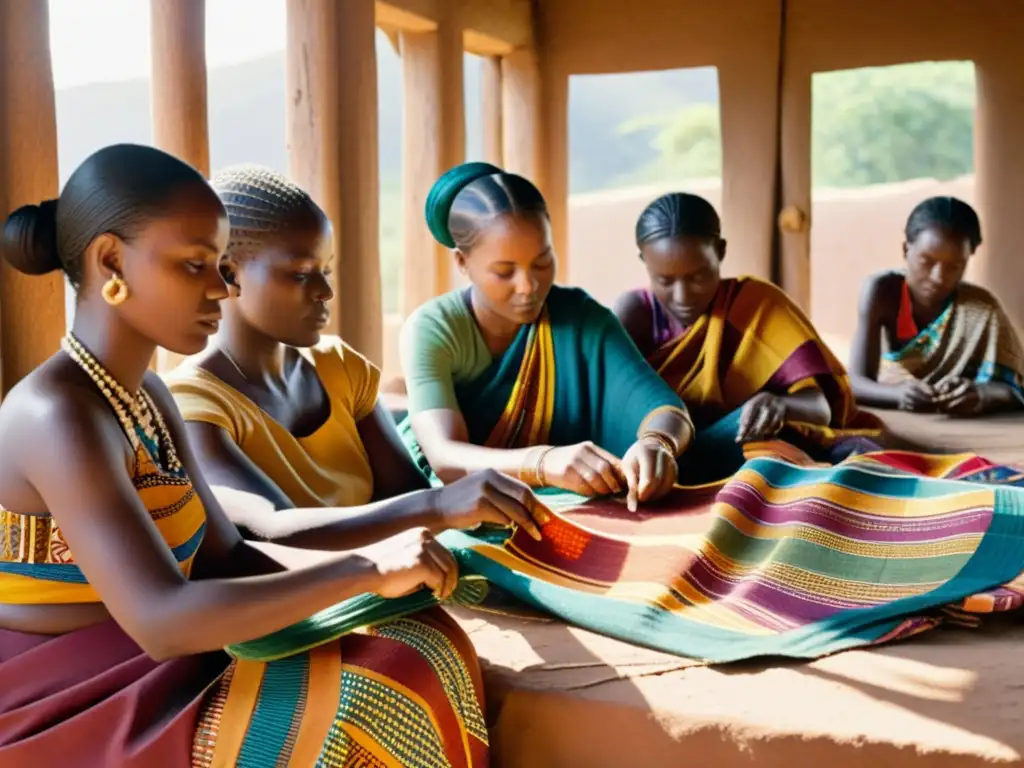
(37, 566)
(526, 419)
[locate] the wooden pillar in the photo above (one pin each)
(522, 116)
(1000, 181)
(178, 34)
(332, 150)
(433, 140)
(490, 102)
(531, 127)
(749, 103)
(535, 118)
(795, 155)
(179, 103)
(31, 308)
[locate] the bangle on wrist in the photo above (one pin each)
(542, 481)
(663, 442)
(675, 444)
(532, 472)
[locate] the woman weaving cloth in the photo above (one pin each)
(743, 357)
(523, 376)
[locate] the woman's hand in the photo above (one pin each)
(489, 497)
(961, 397)
(409, 561)
(762, 418)
(915, 395)
(584, 468)
(650, 470)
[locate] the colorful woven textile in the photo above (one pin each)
(754, 339)
(787, 558)
(784, 559)
(972, 339)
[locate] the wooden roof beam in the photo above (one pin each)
(490, 27)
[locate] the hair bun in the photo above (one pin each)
(30, 239)
(444, 192)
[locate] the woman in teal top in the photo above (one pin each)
(517, 374)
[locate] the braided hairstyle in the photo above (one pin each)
(678, 214)
(468, 197)
(948, 213)
(262, 205)
(117, 190)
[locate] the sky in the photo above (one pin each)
(108, 40)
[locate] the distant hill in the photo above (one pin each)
(247, 116)
(598, 106)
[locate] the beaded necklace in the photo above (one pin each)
(141, 420)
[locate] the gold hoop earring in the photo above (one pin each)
(115, 291)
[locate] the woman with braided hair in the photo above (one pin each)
(122, 580)
(275, 408)
(524, 376)
(926, 339)
(743, 357)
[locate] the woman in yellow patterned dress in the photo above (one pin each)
(121, 579)
(273, 406)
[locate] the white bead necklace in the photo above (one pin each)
(141, 420)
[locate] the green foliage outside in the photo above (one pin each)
(688, 143)
(870, 126)
(879, 125)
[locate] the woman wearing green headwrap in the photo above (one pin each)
(520, 375)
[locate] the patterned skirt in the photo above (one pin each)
(407, 693)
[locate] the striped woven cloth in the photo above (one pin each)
(786, 558)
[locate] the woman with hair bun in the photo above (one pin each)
(741, 355)
(949, 347)
(530, 378)
(122, 580)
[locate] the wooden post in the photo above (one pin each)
(749, 105)
(31, 308)
(797, 185)
(528, 123)
(999, 159)
(522, 115)
(490, 100)
(178, 34)
(433, 140)
(332, 149)
(178, 64)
